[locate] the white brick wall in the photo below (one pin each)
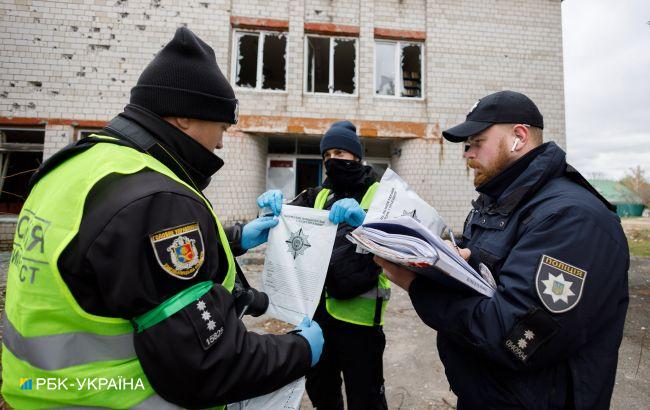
(79, 59)
(335, 12)
(242, 179)
(56, 137)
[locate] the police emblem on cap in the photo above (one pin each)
(179, 250)
(559, 285)
(471, 110)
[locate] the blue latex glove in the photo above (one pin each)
(348, 210)
(311, 331)
(272, 199)
(256, 232)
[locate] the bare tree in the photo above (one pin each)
(636, 181)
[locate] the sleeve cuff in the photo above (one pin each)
(233, 233)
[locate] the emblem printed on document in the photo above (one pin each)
(298, 243)
(179, 250)
(559, 285)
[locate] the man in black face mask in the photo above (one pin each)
(356, 291)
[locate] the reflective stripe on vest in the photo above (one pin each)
(368, 308)
(47, 335)
(55, 352)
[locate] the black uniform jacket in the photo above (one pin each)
(549, 336)
(349, 274)
(203, 355)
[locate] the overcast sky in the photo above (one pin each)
(607, 85)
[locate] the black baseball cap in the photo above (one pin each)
(503, 107)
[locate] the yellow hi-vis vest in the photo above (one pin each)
(54, 353)
(366, 309)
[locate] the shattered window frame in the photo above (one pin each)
(21, 153)
(80, 133)
(399, 80)
(331, 90)
(259, 76)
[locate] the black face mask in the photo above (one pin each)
(344, 175)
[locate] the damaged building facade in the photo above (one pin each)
(401, 70)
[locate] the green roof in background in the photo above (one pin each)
(615, 192)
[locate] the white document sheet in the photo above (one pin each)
(287, 397)
(297, 257)
(394, 198)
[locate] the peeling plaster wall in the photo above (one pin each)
(277, 9)
(78, 60)
(333, 11)
(398, 14)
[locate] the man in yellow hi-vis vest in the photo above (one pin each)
(119, 284)
(356, 293)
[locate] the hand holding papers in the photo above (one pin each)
(295, 266)
(406, 242)
(402, 228)
(297, 257)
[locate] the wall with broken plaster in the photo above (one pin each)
(77, 60)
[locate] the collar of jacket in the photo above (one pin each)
(521, 180)
(179, 150)
(368, 178)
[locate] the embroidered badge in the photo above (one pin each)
(529, 334)
(559, 285)
(206, 320)
(298, 243)
(179, 251)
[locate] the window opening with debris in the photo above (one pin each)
(398, 69)
(85, 132)
(21, 153)
(260, 60)
(331, 65)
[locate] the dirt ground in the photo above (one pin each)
(415, 377)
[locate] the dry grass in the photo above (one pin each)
(639, 242)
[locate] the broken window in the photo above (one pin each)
(260, 60)
(331, 65)
(398, 69)
(81, 133)
(21, 153)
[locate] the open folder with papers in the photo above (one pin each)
(406, 242)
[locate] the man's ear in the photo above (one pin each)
(522, 133)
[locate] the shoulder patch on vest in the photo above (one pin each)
(179, 250)
(559, 285)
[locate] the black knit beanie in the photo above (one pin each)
(342, 135)
(184, 80)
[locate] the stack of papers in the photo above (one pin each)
(407, 242)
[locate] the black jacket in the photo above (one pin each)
(549, 336)
(111, 269)
(349, 274)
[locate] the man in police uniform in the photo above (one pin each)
(549, 336)
(121, 270)
(356, 292)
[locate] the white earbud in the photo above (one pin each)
(514, 145)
